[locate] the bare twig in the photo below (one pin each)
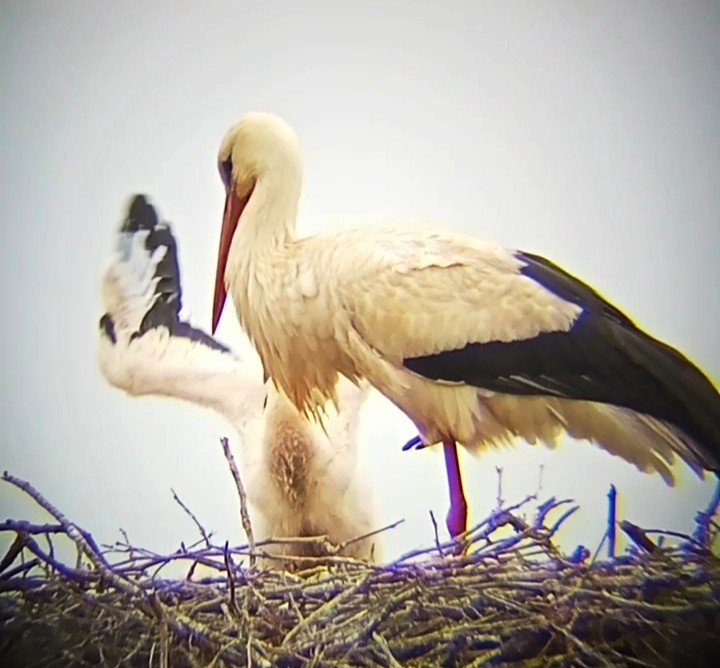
(234, 609)
(638, 536)
(541, 469)
(611, 521)
(192, 516)
(704, 518)
(436, 534)
(370, 534)
(31, 528)
(385, 649)
(13, 551)
(244, 514)
(499, 500)
(690, 541)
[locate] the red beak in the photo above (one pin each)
(234, 206)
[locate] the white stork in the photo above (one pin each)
(476, 343)
(302, 481)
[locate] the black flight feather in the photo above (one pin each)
(107, 324)
(604, 358)
(165, 311)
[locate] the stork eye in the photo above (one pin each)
(225, 168)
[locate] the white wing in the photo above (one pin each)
(144, 346)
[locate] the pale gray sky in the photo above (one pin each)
(585, 131)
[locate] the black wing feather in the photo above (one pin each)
(107, 324)
(605, 358)
(165, 311)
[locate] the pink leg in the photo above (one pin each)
(457, 515)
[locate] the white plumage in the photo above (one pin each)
(300, 480)
(476, 343)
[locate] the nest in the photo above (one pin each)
(503, 595)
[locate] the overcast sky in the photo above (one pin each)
(588, 132)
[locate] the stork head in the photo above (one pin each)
(260, 149)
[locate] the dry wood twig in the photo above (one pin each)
(242, 497)
(190, 514)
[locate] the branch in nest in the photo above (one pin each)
(242, 496)
(611, 521)
(370, 534)
(704, 518)
(192, 516)
(638, 536)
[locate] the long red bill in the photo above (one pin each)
(234, 206)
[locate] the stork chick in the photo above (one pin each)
(301, 480)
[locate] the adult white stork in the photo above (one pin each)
(476, 343)
(302, 481)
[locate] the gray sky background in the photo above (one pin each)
(585, 131)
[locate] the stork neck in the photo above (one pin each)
(268, 220)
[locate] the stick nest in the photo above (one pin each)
(502, 596)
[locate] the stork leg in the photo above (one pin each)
(457, 515)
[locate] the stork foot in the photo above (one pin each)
(414, 443)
